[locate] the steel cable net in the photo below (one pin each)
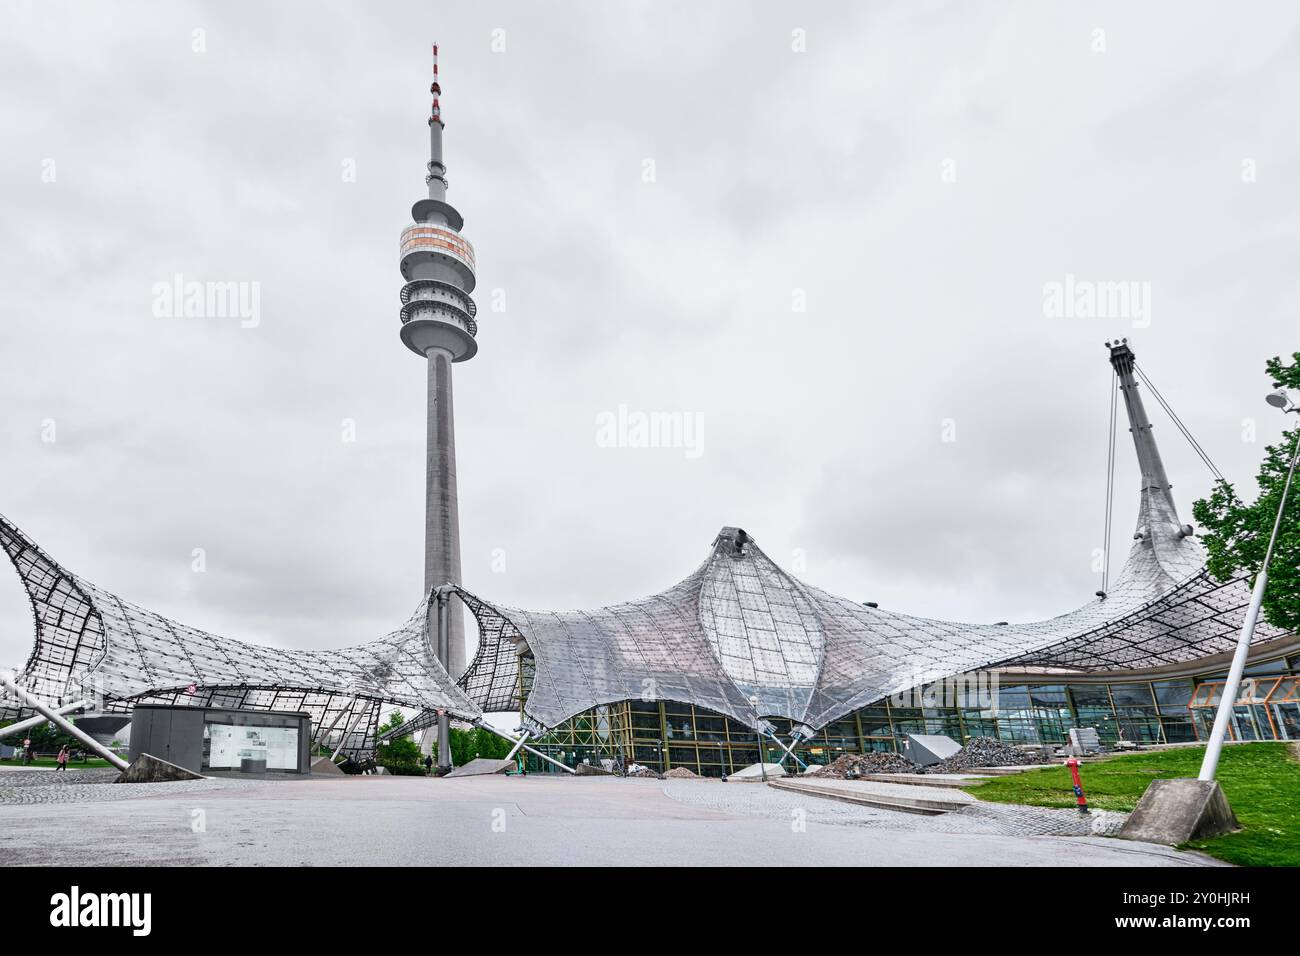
(740, 629)
(89, 642)
(739, 636)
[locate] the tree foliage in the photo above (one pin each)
(476, 742)
(1236, 534)
(401, 755)
(46, 738)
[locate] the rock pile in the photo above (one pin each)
(637, 770)
(982, 752)
(852, 765)
(680, 772)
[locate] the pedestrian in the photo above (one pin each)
(428, 764)
(63, 758)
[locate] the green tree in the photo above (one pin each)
(476, 742)
(1236, 534)
(400, 755)
(46, 738)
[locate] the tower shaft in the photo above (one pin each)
(442, 507)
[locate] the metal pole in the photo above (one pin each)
(7, 681)
(347, 731)
(758, 736)
(444, 655)
(788, 753)
(521, 742)
(1215, 747)
(515, 749)
(31, 722)
(322, 738)
(1080, 799)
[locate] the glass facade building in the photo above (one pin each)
(665, 734)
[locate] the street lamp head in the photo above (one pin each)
(1279, 399)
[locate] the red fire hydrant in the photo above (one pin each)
(1078, 785)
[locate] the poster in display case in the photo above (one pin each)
(226, 745)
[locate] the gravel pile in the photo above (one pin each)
(982, 752)
(637, 770)
(875, 762)
(680, 772)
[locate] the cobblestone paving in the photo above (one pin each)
(93, 786)
(978, 817)
(11, 779)
(1035, 821)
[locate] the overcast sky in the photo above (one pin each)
(822, 233)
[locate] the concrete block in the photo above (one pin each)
(327, 766)
(867, 798)
(592, 770)
(147, 768)
(482, 765)
(1175, 811)
(755, 772)
(926, 749)
(1084, 740)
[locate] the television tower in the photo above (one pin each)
(438, 325)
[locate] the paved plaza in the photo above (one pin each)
(80, 818)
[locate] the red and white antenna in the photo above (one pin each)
(437, 176)
(435, 89)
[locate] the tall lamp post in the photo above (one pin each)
(1278, 399)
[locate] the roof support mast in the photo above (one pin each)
(1157, 495)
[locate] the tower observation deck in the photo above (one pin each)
(438, 324)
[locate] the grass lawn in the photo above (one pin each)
(51, 763)
(1260, 780)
